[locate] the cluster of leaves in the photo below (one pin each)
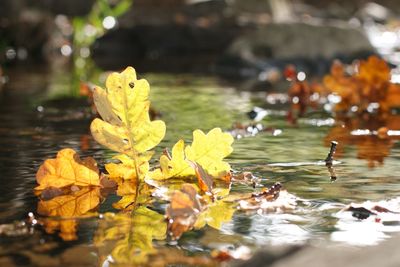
(70, 188)
(365, 101)
(363, 88)
(368, 88)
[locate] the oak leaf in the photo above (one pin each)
(124, 106)
(67, 169)
(126, 169)
(215, 215)
(72, 205)
(208, 150)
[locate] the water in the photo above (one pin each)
(33, 129)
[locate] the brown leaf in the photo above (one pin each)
(269, 200)
(204, 179)
(183, 211)
(67, 169)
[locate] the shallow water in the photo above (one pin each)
(33, 129)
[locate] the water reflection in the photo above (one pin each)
(29, 135)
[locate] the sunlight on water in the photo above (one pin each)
(295, 158)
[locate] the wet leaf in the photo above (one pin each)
(124, 107)
(127, 190)
(73, 205)
(67, 169)
(208, 150)
(203, 178)
(215, 214)
(131, 235)
(183, 210)
(126, 169)
(268, 200)
(133, 193)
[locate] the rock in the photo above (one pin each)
(305, 45)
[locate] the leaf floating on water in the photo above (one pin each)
(269, 200)
(183, 211)
(215, 214)
(245, 178)
(67, 169)
(73, 205)
(174, 165)
(205, 180)
(208, 150)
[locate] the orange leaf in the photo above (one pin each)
(67, 169)
(205, 180)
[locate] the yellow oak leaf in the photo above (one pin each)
(127, 168)
(127, 190)
(207, 150)
(176, 167)
(124, 107)
(210, 149)
(67, 169)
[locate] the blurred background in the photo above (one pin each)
(231, 38)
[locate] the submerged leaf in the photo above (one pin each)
(183, 211)
(215, 214)
(67, 169)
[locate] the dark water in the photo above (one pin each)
(33, 129)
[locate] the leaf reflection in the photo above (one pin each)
(128, 238)
(63, 210)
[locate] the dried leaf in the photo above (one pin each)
(183, 211)
(269, 200)
(67, 169)
(204, 179)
